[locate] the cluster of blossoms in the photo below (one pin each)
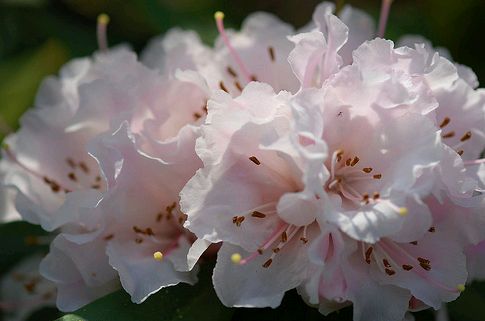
(325, 159)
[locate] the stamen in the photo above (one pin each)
(368, 254)
(158, 256)
(267, 263)
(466, 136)
(432, 229)
(219, 17)
(258, 214)
(460, 152)
(407, 267)
(103, 20)
(254, 160)
(445, 122)
(221, 85)
(354, 161)
(448, 135)
(238, 86)
(385, 8)
(304, 238)
(377, 176)
(271, 53)
(424, 263)
(231, 72)
(367, 170)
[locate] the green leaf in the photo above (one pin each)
(20, 239)
(20, 77)
(181, 302)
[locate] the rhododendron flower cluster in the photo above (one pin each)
(328, 160)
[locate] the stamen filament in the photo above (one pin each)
(385, 9)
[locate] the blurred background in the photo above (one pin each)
(39, 36)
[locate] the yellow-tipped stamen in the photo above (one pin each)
(403, 211)
(460, 287)
(236, 258)
(158, 256)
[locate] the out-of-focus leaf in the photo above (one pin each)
(469, 307)
(181, 302)
(21, 76)
(19, 239)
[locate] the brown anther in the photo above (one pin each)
(284, 237)
(445, 122)
(367, 170)
(159, 217)
(390, 272)
(138, 240)
(414, 242)
(72, 177)
(231, 71)
(181, 219)
(55, 187)
(424, 263)
(96, 186)
(368, 253)
(197, 116)
(149, 231)
(238, 85)
(377, 176)
(254, 160)
(108, 237)
(271, 53)
(267, 263)
(221, 85)
(30, 286)
(348, 161)
(407, 267)
(253, 78)
(386, 263)
(260, 251)
(432, 229)
(238, 220)
(354, 161)
(376, 195)
(136, 229)
(460, 152)
(46, 180)
(448, 135)
(276, 249)
(97, 179)
(258, 214)
(84, 167)
(466, 136)
(71, 162)
(339, 155)
(304, 240)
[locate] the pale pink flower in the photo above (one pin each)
(23, 291)
(256, 194)
(136, 227)
(385, 279)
